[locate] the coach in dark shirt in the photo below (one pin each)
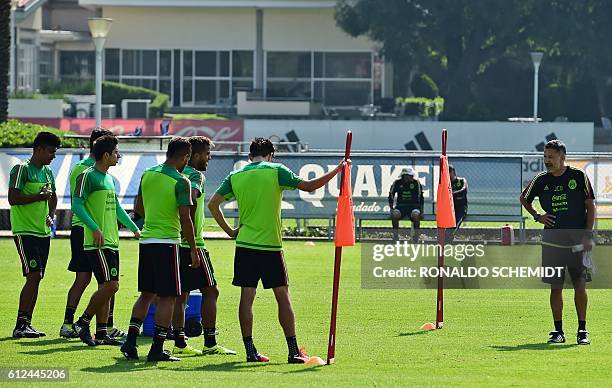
(460, 202)
(406, 200)
(566, 196)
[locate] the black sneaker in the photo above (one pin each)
(129, 351)
(40, 333)
(108, 340)
(257, 358)
(582, 338)
(300, 358)
(556, 337)
(84, 334)
(24, 331)
(161, 356)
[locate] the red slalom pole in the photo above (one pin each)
(331, 345)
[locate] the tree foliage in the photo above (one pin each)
(477, 51)
(5, 47)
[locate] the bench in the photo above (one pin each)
(360, 217)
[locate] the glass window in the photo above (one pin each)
(205, 92)
(165, 63)
(149, 62)
(187, 63)
(343, 92)
(206, 64)
(292, 90)
(131, 62)
(224, 66)
(319, 59)
(77, 64)
(187, 91)
(111, 62)
(347, 65)
(289, 64)
(242, 63)
(165, 86)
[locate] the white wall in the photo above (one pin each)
(307, 29)
(32, 22)
(392, 135)
(227, 28)
(181, 28)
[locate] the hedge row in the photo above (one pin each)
(112, 93)
(16, 134)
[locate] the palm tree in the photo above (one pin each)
(5, 55)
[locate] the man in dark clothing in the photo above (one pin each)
(409, 202)
(566, 196)
(460, 188)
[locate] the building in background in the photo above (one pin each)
(202, 52)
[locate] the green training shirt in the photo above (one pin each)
(30, 219)
(163, 190)
(258, 189)
(197, 180)
(95, 201)
(77, 169)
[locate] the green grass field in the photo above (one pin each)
(491, 337)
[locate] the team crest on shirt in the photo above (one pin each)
(113, 271)
(546, 188)
(33, 263)
(572, 184)
(412, 185)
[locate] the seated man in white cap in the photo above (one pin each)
(409, 202)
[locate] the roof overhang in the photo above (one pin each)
(26, 7)
(211, 3)
(52, 36)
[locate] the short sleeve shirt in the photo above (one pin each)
(258, 189)
(163, 190)
(31, 219)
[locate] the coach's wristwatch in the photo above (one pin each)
(536, 217)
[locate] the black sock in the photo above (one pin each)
(559, 326)
(22, 318)
(134, 330)
(249, 346)
(29, 318)
(69, 315)
(581, 325)
(101, 330)
(210, 338)
(110, 324)
(179, 337)
(293, 346)
(85, 319)
(159, 336)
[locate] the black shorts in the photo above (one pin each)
(105, 264)
(250, 265)
(196, 278)
(78, 260)
(33, 252)
(406, 210)
(159, 269)
(570, 261)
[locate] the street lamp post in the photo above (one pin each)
(13, 54)
(536, 58)
(99, 28)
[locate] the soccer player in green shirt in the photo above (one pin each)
(95, 202)
(258, 189)
(33, 201)
(164, 200)
(203, 277)
(78, 261)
